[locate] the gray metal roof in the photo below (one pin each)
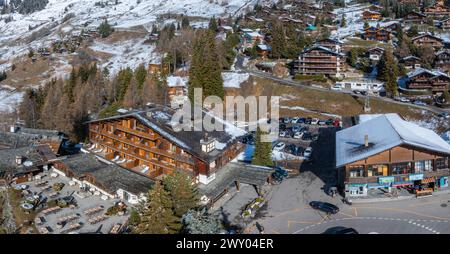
(384, 132)
(111, 176)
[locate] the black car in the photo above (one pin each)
(290, 148)
(308, 120)
(307, 136)
(324, 207)
(282, 127)
(341, 231)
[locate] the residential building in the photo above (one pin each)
(415, 17)
(428, 40)
(437, 10)
(432, 80)
(177, 90)
(385, 151)
(376, 34)
(411, 62)
(371, 15)
(263, 50)
(96, 174)
(249, 38)
(442, 60)
(319, 60)
(445, 24)
(332, 44)
(145, 142)
(375, 53)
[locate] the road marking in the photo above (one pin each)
(407, 211)
(356, 212)
(346, 214)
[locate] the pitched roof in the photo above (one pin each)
(110, 176)
(384, 132)
(426, 35)
(324, 49)
(159, 119)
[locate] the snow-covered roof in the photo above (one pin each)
(426, 35)
(384, 132)
(410, 57)
(176, 81)
(418, 71)
(264, 47)
(323, 48)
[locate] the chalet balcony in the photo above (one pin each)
(170, 154)
(141, 134)
(322, 66)
(318, 61)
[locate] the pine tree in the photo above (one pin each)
(182, 193)
(279, 41)
(263, 151)
(213, 24)
(204, 72)
(343, 21)
(366, 24)
(105, 29)
(184, 22)
(200, 222)
(388, 72)
(140, 74)
(156, 214)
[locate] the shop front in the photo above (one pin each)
(356, 190)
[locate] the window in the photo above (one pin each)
(422, 166)
(442, 163)
(401, 168)
(356, 171)
(377, 170)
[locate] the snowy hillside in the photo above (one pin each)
(80, 13)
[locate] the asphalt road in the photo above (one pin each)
(288, 212)
(289, 82)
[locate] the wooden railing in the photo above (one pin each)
(150, 136)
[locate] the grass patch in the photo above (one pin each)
(20, 216)
(316, 78)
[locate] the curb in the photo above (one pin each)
(377, 200)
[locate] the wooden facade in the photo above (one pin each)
(428, 40)
(371, 15)
(400, 163)
(376, 34)
(437, 10)
(321, 61)
(135, 146)
(429, 81)
(415, 17)
(442, 61)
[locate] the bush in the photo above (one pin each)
(113, 210)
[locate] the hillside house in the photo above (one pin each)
(432, 80)
(376, 34)
(371, 15)
(319, 60)
(415, 17)
(428, 40)
(411, 62)
(442, 60)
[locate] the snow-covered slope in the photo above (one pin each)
(15, 35)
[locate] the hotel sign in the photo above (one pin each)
(386, 180)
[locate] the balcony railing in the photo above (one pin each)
(150, 136)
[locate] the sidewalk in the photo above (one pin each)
(387, 199)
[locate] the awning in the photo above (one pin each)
(428, 180)
(401, 184)
(377, 186)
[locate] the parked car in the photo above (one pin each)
(301, 120)
(336, 88)
(297, 151)
(329, 122)
(307, 136)
(298, 135)
(279, 146)
(322, 122)
(281, 120)
(315, 121)
(420, 103)
(324, 207)
(336, 123)
(283, 134)
(294, 119)
(282, 126)
(282, 171)
(308, 152)
(308, 120)
(341, 231)
(315, 137)
(444, 115)
(287, 120)
(296, 128)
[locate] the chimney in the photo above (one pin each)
(366, 140)
(18, 160)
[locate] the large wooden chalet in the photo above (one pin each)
(437, 10)
(387, 152)
(319, 60)
(415, 17)
(371, 15)
(442, 60)
(428, 40)
(423, 79)
(376, 34)
(145, 142)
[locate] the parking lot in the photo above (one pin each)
(86, 215)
